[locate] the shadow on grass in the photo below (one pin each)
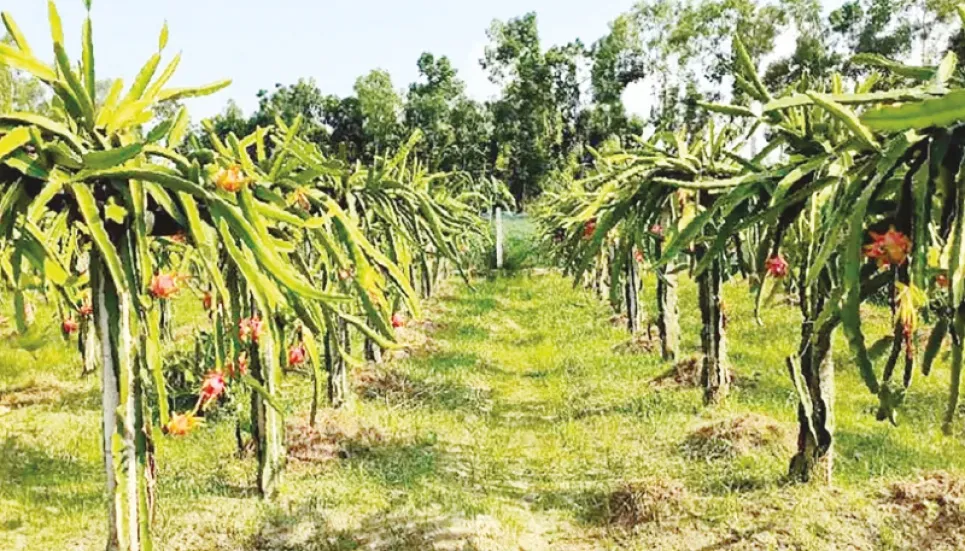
(395, 463)
(880, 452)
(926, 407)
(216, 485)
(589, 507)
(467, 332)
(526, 415)
(31, 473)
(524, 341)
(644, 502)
(36, 338)
(752, 473)
(758, 389)
(450, 361)
(403, 467)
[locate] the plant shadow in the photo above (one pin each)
(49, 480)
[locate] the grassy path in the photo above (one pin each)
(518, 422)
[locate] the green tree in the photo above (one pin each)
(535, 119)
(381, 109)
(344, 118)
(682, 48)
(874, 26)
(231, 120)
(472, 147)
(456, 130)
(617, 61)
(302, 99)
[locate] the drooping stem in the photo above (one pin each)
(437, 270)
(276, 434)
(816, 417)
(616, 271)
(668, 320)
(317, 382)
(129, 395)
(603, 282)
(21, 315)
(166, 322)
(89, 348)
(426, 278)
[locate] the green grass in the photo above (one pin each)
(509, 430)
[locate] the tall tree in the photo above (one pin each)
(539, 99)
(472, 149)
(381, 108)
(897, 29)
(682, 48)
(430, 102)
(617, 61)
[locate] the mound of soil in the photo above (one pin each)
(737, 436)
(646, 501)
(931, 510)
(618, 320)
(337, 435)
(379, 383)
(415, 343)
(31, 396)
(389, 385)
(643, 343)
(427, 326)
(685, 373)
(46, 391)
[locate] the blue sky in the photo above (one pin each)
(260, 42)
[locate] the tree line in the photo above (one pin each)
(557, 104)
